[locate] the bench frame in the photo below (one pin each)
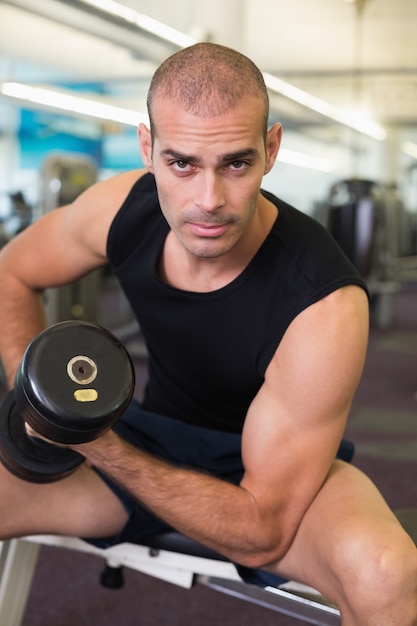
(18, 559)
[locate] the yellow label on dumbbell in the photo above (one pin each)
(86, 395)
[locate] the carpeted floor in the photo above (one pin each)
(383, 425)
(383, 421)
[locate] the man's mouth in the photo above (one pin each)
(207, 230)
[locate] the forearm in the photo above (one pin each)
(220, 515)
(22, 317)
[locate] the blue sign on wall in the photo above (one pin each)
(43, 132)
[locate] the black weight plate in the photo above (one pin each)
(45, 393)
(29, 458)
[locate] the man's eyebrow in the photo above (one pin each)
(229, 157)
(240, 154)
(179, 156)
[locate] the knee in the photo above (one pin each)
(381, 578)
(391, 571)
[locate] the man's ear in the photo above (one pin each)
(145, 146)
(273, 142)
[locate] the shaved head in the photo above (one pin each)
(207, 80)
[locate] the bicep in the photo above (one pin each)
(295, 423)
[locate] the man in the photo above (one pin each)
(254, 322)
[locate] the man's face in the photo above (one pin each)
(208, 173)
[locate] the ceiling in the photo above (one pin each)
(359, 55)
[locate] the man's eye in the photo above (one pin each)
(239, 165)
(180, 165)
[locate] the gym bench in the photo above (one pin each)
(173, 558)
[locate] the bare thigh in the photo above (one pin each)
(81, 505)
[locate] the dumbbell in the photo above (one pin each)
(74, 381)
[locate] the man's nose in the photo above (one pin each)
(210, 192)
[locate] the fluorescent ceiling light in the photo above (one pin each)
(64, 101)
(305, 160)
(356, 122)
(143, 21)
(410, 148)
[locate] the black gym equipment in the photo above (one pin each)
(73, 383)
(354, 220)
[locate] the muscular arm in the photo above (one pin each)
(59, 248)
(291, 435)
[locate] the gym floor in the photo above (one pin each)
(383, 426)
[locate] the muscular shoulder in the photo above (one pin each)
(341, 314)
(325, 345)
(110, 193)
(92, 213)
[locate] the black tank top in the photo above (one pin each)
(208, 351)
